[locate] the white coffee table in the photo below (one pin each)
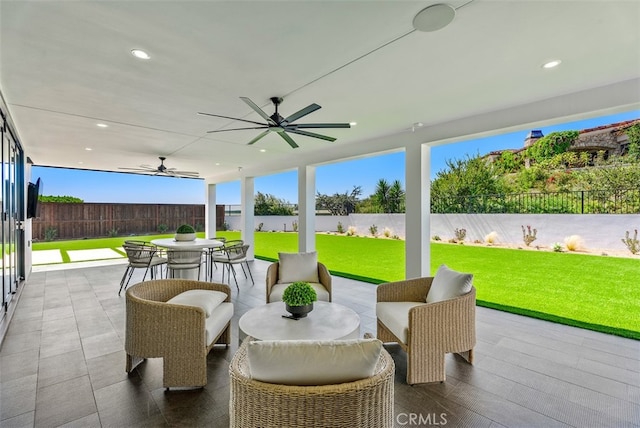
(327, 321)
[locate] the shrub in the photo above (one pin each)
(436, 238)
(294, 226)
(529, 235)
(225, 226)
(259, 228)
(163, 228)
(386, 232)
(460, 234)
(373, 230)
(632, 244)
(557, 247)
(50, 233)
(573, 242)
(351, 231)
(113, 232)
(185, 228)
(491, 238)
(340, 228)
(299, 293)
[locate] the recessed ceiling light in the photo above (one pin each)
(551, 64)
(139, 53)
(102, 125)
(217, 163)
(88, 149)
(80, 163)
(262, 150)
(353, 123)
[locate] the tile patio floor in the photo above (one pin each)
(62, 364)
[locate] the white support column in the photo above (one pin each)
(418, 195)
(247, 217)
(210, 211)
(306, 208)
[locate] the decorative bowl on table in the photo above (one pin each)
(299, 311)
(185, 237)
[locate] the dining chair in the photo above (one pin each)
(183, 260)
(141, 255)
(217, 253)
(207, 256)
(230, 256)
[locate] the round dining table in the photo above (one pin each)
(197, 244)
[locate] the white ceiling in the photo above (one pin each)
(66, 66)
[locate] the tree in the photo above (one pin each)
(340, 203)
(551, 145)
(472, 176)
(388, 198)
(60, 199)
(633, 133)
(267, 204)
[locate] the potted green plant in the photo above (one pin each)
(185, 233)
(298, 298)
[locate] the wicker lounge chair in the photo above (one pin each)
(432, 329)
(272, 283)
(358, 404)
(177, 333)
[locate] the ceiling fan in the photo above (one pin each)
(163, 170)
(282, 125)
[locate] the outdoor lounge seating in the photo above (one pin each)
(428, 319)
(180, 321)
(366, 401)
(293, 267)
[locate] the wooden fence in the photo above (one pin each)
(99, 220)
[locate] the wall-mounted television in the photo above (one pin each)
(33, 191)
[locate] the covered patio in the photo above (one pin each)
(62, 363)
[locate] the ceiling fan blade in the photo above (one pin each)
(138, 169)
(258, 110)
(320, 125)
(191, 174)
(288, 139)
(301, 113)
(311, 134)
(238, 129)
(258, 137)
(228, 117)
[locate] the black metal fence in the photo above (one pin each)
(579, 202)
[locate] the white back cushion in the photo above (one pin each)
(298, 267)
(448, 284)
(208, 300)
(312, 362)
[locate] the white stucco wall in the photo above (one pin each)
(598, 231)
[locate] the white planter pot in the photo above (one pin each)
(185, 237)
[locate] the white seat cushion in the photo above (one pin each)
(311, 362)
(395, 316)
(208, 300)
(448, 284)
(218, 320)
(298, 267)
(278, 289)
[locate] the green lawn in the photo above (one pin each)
(595, 292)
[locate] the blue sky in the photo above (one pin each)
(94, 186)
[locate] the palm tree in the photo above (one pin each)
(389, 198)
